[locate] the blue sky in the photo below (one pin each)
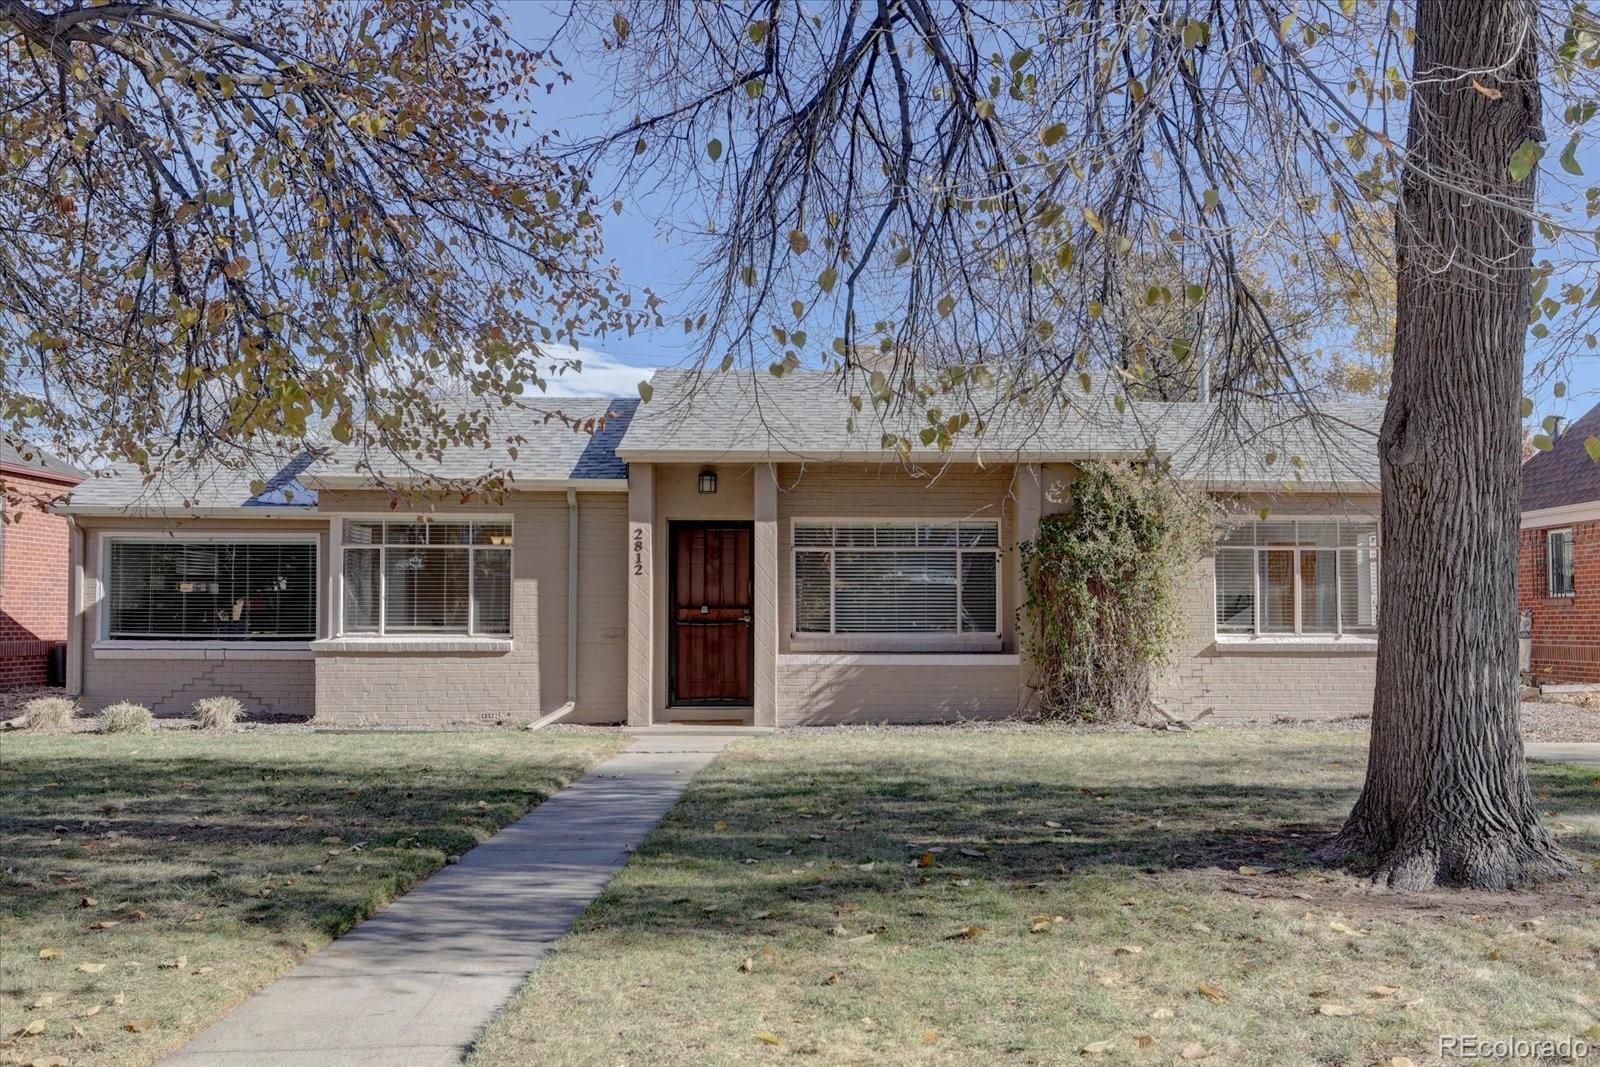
(652, 257)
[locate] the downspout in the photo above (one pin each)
(572, 619)
(75, 554)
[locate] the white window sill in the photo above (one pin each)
(443, 644)
(953, 644)
(899, 659)
(1277, 644)
(211, 650)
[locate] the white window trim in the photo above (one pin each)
(108, 647)
(1261, 639)
(955, 640)
(1549, 571)
(381, 639)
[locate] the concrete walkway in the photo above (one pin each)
(1584, 752)
(414, 984)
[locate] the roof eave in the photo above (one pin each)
(219, 511)
(771, 455)
(367, 481)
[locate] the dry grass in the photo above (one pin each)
(1141, 897)
(126, 717)
(150, 882)
(49, 714)
(217, 713)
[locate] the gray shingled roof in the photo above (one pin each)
(743, 416)
(121, 488)
(16, 452)
(547, 450)
(550, 438)
(1565, 474)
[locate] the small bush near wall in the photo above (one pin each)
(1103, 591)
(49, 714)
(217, 713)
(126, 717)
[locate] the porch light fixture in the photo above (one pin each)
(708, 481)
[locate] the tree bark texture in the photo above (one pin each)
(1446, 799)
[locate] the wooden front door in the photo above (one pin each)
(711, 602)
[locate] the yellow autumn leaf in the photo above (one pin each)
(768, 1038)
(49, 953)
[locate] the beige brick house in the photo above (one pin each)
(739, 549)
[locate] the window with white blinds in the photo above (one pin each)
(1292, 576)
(897, 577)
(211, 590)
(427, 578)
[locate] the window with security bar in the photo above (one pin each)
(170, 590)
(427, 578)
(897, 577)
(1293, 576)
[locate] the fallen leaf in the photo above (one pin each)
(832, 979)
(1402, 1061)
(930, 1037)
(52, 1061)
(966, 933)
(91, 1011)
(1250, 872)
(762, 915)
(767, 1038)
(1161, 1013)
(927, 859)
(1211, 992)
(43, 1001)
(1097, 1048)
(1383, 990)
(134, 1026)
(720, 825)
(862, 939)
(205, 970)
(839, 931)
(104, 924)
(1193, 1051)
(748, 965)
(34, 1028)
(1494, 954)
(333, 839)
(177, 964)
(49, 953)
(1040, 925)
(87, 902)
(120, 999)
(1335, 1009)
(972, 852)
(1128, 950)
(1341, 928)
(1143, 1041)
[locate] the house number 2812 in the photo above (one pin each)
(638, 550)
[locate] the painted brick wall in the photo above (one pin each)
(812, 692)
(1566, 630)
(33, 585)
(168, 681)
(381, 687)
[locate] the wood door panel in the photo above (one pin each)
(710, 614)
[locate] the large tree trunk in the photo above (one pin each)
(1447, 799)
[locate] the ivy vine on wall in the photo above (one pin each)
(1104, 582)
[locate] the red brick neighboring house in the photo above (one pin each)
(1558, 559)
(33, 561)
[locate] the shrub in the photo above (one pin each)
(49, 714)
(1103, 582)
(217, 713)
(126, 717)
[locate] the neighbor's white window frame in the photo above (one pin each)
(1257, 633)
(978, 641)
(105, 538)
(337, 546)
(1549, 570)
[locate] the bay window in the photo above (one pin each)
(911, 578)
(170, 589)
(437, 577)
(1293, 576)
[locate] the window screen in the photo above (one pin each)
(1291, 576)
(427, 578)
(1558, 547)
(213, 591)
(897, 578)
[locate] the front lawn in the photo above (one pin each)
(1038, 896)
(148, 884)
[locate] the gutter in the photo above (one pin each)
(572, 619)
(531, 485)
